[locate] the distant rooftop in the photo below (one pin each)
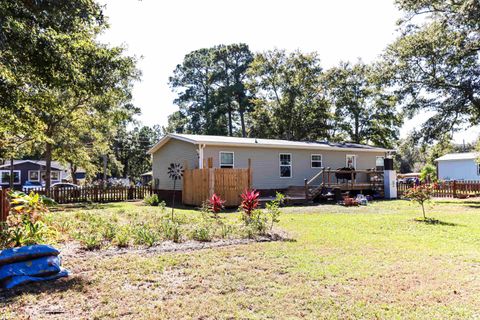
(459, 156)
(55, 164)
(257, 142)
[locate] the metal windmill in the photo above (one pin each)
(175, 172)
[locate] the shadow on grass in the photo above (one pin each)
(458, 201)
(53, 286)
(433, 221)
(85, 206)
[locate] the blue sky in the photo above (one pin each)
(160, 33)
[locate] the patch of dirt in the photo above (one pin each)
(70, 249)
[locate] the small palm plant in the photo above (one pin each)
(175, 172)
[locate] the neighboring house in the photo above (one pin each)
(276, 164)
(458, 166)
(34, 170)
(146, 178)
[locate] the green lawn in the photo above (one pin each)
(348, 263)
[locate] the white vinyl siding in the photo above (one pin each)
(316, 161)
(226, 159)
(265, 163)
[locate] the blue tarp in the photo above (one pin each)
(44, 266)
(15, 281)
(27, 253)
(30, 264)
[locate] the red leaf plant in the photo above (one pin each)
(249, 202)
(215, 203)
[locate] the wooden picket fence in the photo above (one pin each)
(449, 189)
(200, 184)
(95, 194)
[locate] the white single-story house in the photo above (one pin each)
(275, 164)
(458, 166)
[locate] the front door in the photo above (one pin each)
(351, 161)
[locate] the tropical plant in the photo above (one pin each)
(421, 195)
(249, 204)
(215, 205)
(428, 174)
(24, 225)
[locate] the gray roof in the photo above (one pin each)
(266, 143)
(459, 156)
(55, 164)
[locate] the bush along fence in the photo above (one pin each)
(448, 189)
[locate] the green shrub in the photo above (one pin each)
(171, 230)
(145, 236)
(122, 237)
(152, 200)
(109, 231)
(202, 232)
(90, 241)
(225, 230)
(273, 209)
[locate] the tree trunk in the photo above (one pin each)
(73, 172)
(357, 125)
(242, 121)
(230, 124)
(11, 174)
(48, 165)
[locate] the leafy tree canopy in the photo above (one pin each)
(435, 64)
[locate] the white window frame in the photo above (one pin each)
(312, 161)
(354, 160)
(220, 159)
(383, 164)
(59, 175)
(43, 172)
(8, 182)
(280, 165)
(38, 173)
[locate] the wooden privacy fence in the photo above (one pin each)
(201, 184)
(449, 189)
(95, 194)
(4, 205)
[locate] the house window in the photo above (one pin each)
(285, 165)
(33, 175)
(5, 176)
(351, 161)
(316, 160)
(55, 175)
(226, 160)
(379, 163)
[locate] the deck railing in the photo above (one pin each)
(328, 178)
